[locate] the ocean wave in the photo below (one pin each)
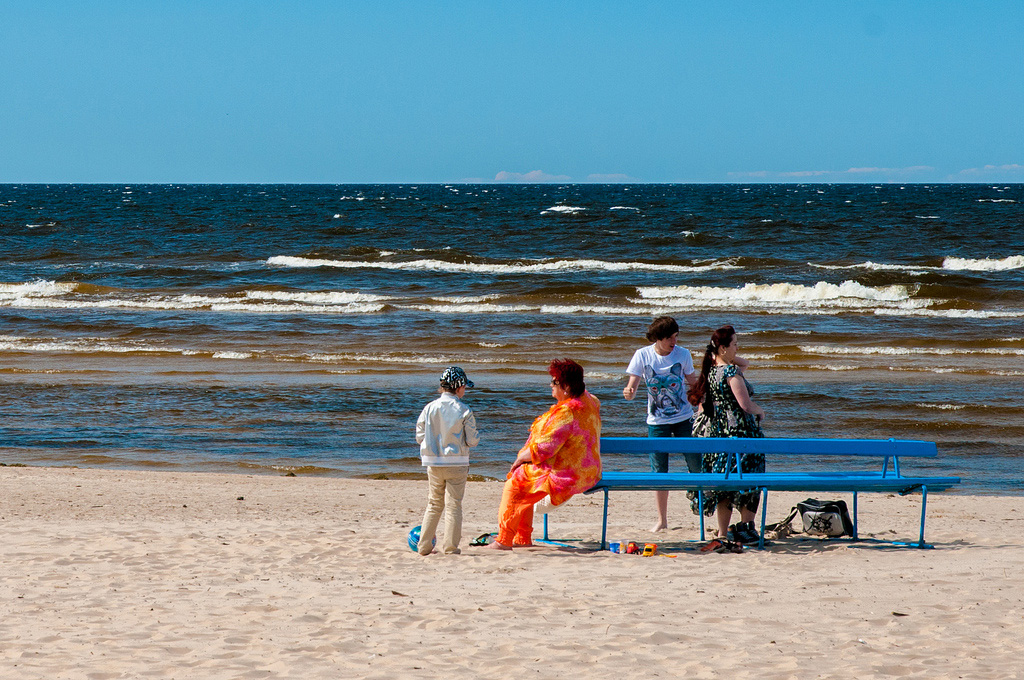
(832, 367)
(465, 299)
(952, 313)
(984, 264)
(846, 295)
(39, 288)
(554, 266)
(905, 351)
(942, 407)
(563, 209)
(194, 303)
(11, 343)
(623, 207)
(392, 359)
(326, 297)
(877, 266)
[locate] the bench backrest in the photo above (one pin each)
(888, 448)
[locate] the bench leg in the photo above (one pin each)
(700, 511)
(604, 523)
(764, 512)
(545, 526)
(854, 515)
(924, 506)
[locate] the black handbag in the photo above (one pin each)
(825, 518)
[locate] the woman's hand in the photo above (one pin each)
(739, 390)
(523, 457)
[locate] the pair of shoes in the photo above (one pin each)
(745, 532)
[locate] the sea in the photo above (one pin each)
(300, 329)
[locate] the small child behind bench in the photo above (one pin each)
(446, 431)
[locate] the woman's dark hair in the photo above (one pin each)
(720, 338)
(661, 328)
(569, 376)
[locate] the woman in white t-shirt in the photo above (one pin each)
(667, 371)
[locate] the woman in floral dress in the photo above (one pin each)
(728, 411)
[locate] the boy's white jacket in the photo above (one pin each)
(446, 431)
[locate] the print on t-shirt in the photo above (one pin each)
(667, 391)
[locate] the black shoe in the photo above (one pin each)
(746, 532)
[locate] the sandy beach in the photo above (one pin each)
(138, 574)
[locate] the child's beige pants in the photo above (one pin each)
(446, 486)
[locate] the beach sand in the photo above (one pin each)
(138, 574)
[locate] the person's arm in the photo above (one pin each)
(545, 443)
(739, 390)
(421, 426)
(691, 378)
(740, 363)
(629, 391)
(469, 431)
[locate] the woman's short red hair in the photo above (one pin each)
(569, 376)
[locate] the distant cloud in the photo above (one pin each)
(611, 179)
(851, 174)
(989, 170)
(532, 177)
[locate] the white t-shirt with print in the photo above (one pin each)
(666, 384)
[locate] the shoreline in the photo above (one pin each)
(129, 573)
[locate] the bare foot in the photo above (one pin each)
(499, 546)
(660, 526)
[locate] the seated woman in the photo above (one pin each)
(561, 458)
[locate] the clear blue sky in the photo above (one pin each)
(220, 91)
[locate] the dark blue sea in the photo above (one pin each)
(301, 328)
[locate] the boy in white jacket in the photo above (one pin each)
(446, 431)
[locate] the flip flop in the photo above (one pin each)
(714, 545)
(483, 539)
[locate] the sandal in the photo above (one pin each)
(483, 539)
(714, 545)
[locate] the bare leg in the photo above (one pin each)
(723, 514)
(661, 500)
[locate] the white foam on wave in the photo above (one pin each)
(232, 355)
(391, 359)
(563, 209)
(846, 295)
(996, 200)
(325, 297)
(907, 351)
(191, 302)
(623, 207)
(942, 407)
(513, 268)
(473, 308)
(13, 343)
(466, 299)
(984, 264)
(951, 313)
(877, 266)
(40, 288)
(833, 367)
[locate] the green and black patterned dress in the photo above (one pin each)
(729, 420)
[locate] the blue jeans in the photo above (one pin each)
(659, 459)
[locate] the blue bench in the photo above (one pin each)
(886, 478)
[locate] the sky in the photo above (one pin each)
(489, 91)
